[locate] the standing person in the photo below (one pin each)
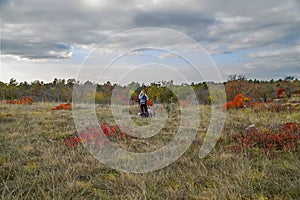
(143, 103)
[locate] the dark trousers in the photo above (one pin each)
(144, 108)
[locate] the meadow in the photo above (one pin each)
(36, 163)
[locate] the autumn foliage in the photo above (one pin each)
(97, 135)
(72, 141)
(24, 101)
(286, 137)
(281, 93)
(149, 103)
(239, 101)
(7, 115)
(63, 106)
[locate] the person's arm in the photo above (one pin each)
(147, 98)
(141, 96)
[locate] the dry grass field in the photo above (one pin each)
(36, 164)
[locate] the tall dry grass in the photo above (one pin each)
(34, 165)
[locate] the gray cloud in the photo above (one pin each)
(46, 30)
(35, 50)
(172, 18)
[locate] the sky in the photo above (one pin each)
(150, 40)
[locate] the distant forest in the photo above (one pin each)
(60, 90)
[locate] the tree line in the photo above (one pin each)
(60, 90)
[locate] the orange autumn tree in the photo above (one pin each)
(239, 101)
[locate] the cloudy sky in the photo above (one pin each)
(41, 40)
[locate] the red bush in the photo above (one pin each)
(64, 106)
(281, 93)
(24, 101)
(239, 101)
(72, 141)
(7, 115)
(284, 138)
(97, 135)
(149, 103)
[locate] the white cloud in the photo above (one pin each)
(166, 55)
(291, 51)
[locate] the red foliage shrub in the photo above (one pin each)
(284, 138)
(97, 135)
(239, 101)
(149, 103)
(72, 141)
(281, 93)
(7, 115)
(24, 101)
(64, 106)
(290, 127)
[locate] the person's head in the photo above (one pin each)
(143, 92)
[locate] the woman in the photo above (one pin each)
(143, 103)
